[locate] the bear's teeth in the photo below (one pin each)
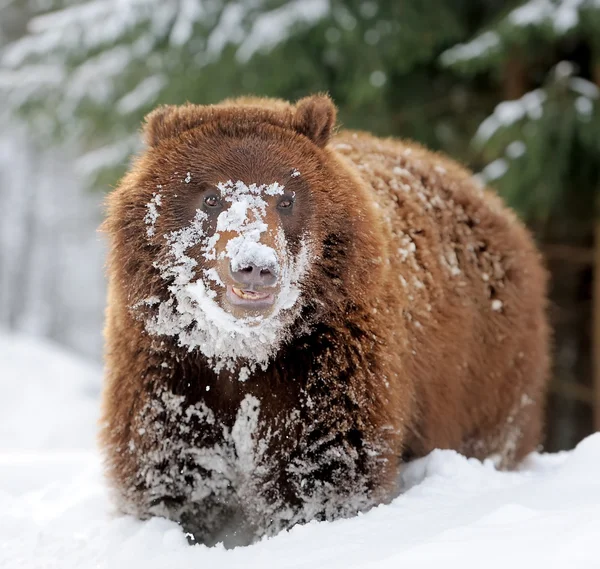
(248, 294)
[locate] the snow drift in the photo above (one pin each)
(55, 510)
(48, 396)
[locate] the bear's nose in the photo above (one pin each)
(251, 274)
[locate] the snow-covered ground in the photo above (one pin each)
(48, 396)
(55, 511)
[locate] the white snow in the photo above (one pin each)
(532, 12)
(378, 78)
(509, 112)
(235, 461)
(588, 92)
(48, 397)
(108, 64)
(494, 170)
(246, 218)
(560, 16)
(152, 214)
(272, 27)
(584, 87)
(516, 149)
(55, 511)
(143, 94)
(563, 15)
(190, 12)
(228, 29)
(584, 106)
(108, 156)
(269, 26)
(481, 45)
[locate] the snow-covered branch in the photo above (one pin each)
(118, 57)
(554, 18)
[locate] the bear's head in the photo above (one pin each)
(236, 223)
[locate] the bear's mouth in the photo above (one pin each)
(249, 298)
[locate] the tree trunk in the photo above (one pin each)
(514, 77)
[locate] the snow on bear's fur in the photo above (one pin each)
(293, 314)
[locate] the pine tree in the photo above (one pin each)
(90, 71)
(541, 146)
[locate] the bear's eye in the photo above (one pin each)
(211, 201)
(286, 202)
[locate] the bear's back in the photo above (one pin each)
(470, 275)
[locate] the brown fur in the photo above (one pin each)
(422, 325)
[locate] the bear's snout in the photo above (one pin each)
(255, 275)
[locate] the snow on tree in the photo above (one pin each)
(96, 62)
(530, 27)
(541, 146)
(544, 144)
(89, 71)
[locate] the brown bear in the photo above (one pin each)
(293, 314)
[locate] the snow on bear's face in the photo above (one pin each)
(233, 256)
(247, 242)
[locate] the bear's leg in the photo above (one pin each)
(213, 521)
(510, 438)
(528, 423)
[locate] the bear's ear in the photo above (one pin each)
(314, 117)
(169, 121)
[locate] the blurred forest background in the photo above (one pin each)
(510, 88)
